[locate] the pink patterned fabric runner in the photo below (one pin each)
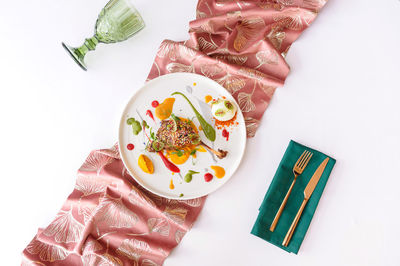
(241, 45)
(109, 219)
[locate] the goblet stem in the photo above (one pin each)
(78, 54)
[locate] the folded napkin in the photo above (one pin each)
(277, 191)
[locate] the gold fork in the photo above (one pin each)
(297, 170)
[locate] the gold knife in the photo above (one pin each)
(307, 194)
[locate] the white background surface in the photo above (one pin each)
(341, 97)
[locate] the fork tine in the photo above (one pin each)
(300, 158)
(308, 157)
(303, 158)
(311, 154)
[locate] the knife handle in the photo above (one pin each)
(289, 234)
(283, 204)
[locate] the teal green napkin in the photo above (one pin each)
(277, 191)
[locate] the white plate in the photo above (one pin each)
(158, 182)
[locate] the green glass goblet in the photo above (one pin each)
(117, 21)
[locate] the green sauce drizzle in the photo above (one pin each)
(136, 127)
(208, 130)
(188, 176)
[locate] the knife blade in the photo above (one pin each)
(314, 179)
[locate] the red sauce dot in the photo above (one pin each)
(150, 114)
(130, 146)
(225, 134)
(155, 104)
(208, 177)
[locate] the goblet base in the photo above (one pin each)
(76, 55)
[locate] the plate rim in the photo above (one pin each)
(122, 124)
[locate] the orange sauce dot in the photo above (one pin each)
(219, 171)
(194, 84)
(207, 98)
(171, 185)
(164, 109)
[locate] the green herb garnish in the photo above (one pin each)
(220, 112)
(144, 124)
(208, 130)
(195, 139)
(152, 135)
(178, 152)
(228, 105)
(157, 145)
(176, 119)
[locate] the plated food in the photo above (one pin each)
(171, 139)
